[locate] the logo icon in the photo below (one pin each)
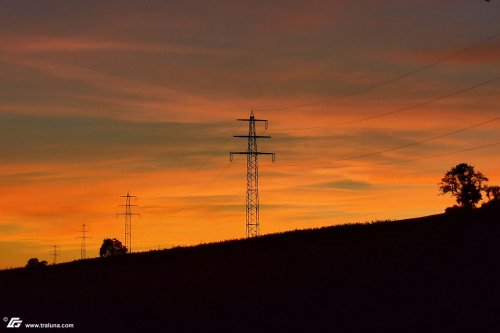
(14, 322)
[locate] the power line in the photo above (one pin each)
(414, 106)
(397, 162)
(386, 82)
(206, 161)
(421, 141)
(324, 164)
(196, 194)
(444, 154)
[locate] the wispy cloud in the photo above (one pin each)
(51, 44)
(345, 184)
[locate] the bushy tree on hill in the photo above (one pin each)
(34, 263)
(493, 193)
(465, 184)
(111, 247)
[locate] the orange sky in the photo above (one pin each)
(100, 99)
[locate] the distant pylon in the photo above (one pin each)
(128, 220)
(55, 254)
(252, 197)
(84, 237)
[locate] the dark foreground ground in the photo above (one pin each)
(434, 274)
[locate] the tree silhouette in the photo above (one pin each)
(465, 184)
(493, 193)
(111, 247)
(34, 263)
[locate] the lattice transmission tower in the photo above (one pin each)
(252, 195)
(128, 219)
(84, 237)
(55, 254)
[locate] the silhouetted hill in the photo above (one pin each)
(433, 274)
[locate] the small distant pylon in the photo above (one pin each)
(128, 220)
(83, 237)
(55, 254)
(252, 197)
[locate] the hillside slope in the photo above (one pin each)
(438, 273)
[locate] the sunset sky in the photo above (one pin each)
(98, 98)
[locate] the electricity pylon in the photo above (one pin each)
(55, 254)
(252, 197)
(84, 237)
(128, 220)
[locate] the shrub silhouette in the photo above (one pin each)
(493, 193)
(111, 247)
(34, 263)
(465, 184)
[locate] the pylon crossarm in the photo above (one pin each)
(252, 119)
(236, 153)
(273, 155)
